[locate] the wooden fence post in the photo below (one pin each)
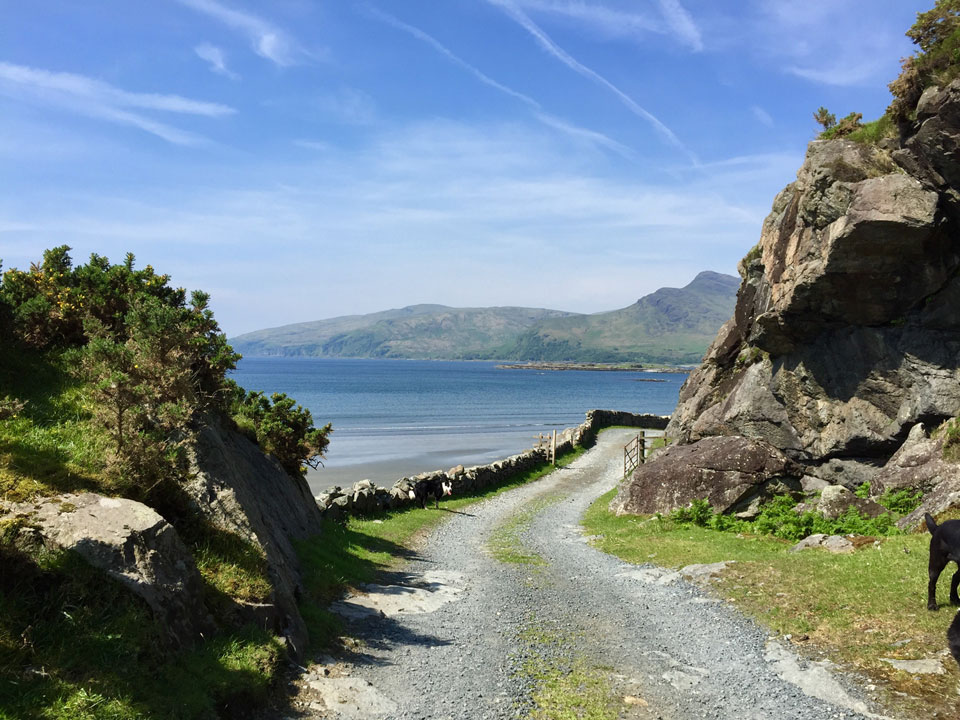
(553, 452)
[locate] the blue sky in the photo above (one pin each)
(302, 159)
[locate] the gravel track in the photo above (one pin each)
(672, 649)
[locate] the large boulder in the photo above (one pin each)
(131, 543)
(240, 489)
(730, 472)
(845, 332)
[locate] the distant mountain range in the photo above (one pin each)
(670, 325)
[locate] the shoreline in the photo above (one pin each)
(365, 495)
(591, 366)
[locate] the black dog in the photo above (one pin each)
(430, 487)
(944, 548)
(953, 638)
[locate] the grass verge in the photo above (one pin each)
(857, 608)
(350, 554)
(75, 645)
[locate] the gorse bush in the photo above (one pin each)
(937, 61)
(153, 362)
(847, 126)
(281, 428)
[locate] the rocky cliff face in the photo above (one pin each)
(846, 332)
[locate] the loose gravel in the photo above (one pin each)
(667, 649)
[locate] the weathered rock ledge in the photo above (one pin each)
(846, 333)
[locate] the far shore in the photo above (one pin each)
(600, 367)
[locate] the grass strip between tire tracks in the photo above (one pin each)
(567, 685)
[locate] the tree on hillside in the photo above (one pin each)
(825, 118)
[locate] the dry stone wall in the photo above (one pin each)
(366, 497)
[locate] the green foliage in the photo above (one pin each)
(846, 127)
(52, 444)
(824, 118)
(863, 490)
(151, 360)
(873, 132)
(282, 428)
(698, 512)
(754, 254)
(950, 432)
(901, 502)
(751, 355)
(780, 518)
(76, 644)
(937, 61)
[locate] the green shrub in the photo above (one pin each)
(937, 62)
(282, 428)
(863, 490)
(873, 132)
(901, 502)
(780, 518)
(754, 254)
(847, 126)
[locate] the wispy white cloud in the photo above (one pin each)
(563, 56)
(348, 106)
(443, 50)
(591, 136)
(547, 119)
(801, 38)
(841, 75)
(607, 21)
(218, 62)
(95, 98)
(762, 116)
(317, 145)
(269, 41)
(681, 23)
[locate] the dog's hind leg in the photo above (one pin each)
(937, 564)
(953, 638)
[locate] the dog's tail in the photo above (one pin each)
(953, 638)
(932, 527)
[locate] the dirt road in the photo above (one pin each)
(507, 610)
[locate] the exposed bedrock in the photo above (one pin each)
(846, 332)
(240, 489)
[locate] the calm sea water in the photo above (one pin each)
(393, 418)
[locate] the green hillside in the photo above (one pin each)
(672, 325)
(420, 331)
